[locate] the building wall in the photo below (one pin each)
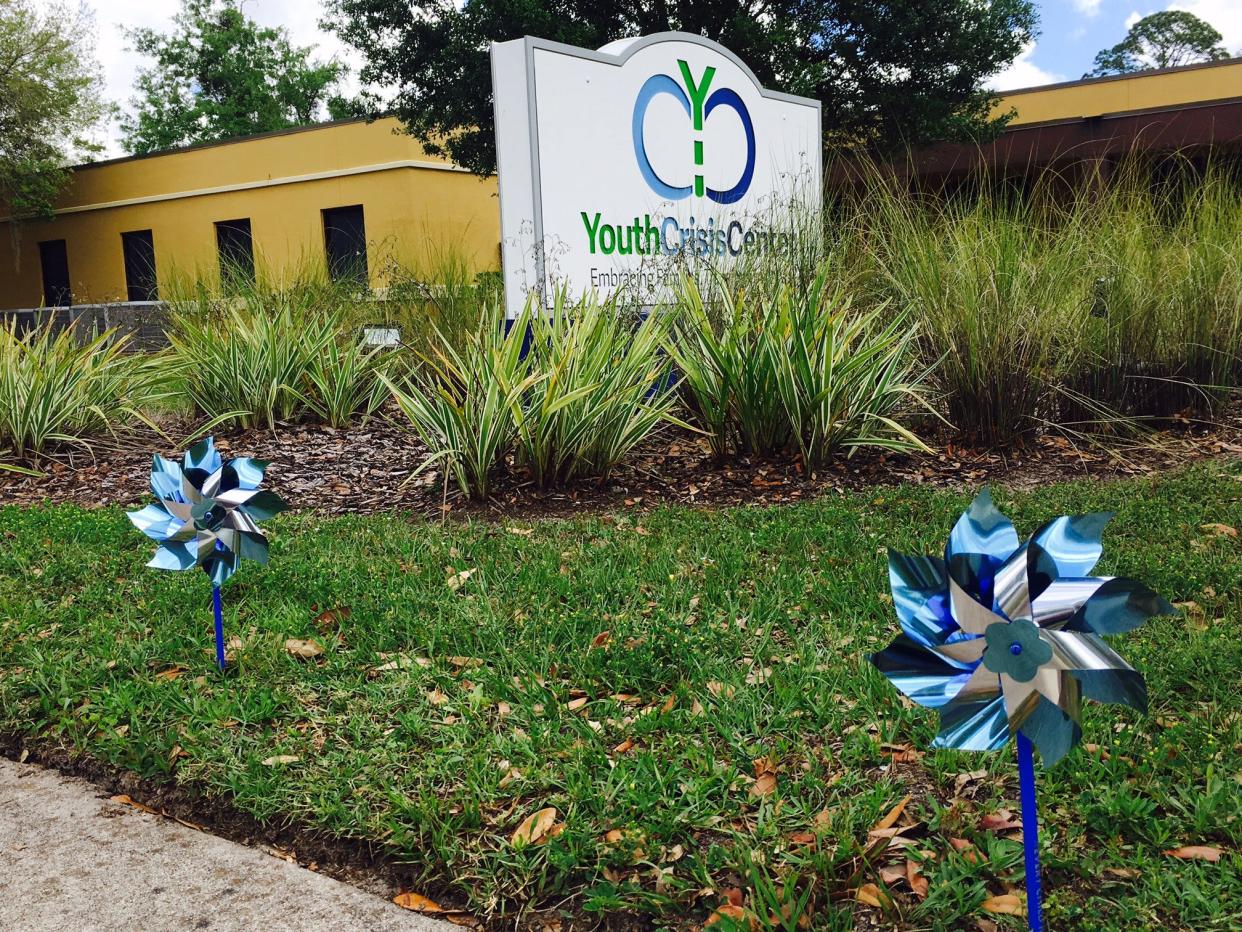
(413, 205)
(1145, 91)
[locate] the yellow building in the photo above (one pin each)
(351, 197)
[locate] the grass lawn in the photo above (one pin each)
(629, 671)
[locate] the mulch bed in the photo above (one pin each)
(370, 468)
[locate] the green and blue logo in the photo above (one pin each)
(699, 107)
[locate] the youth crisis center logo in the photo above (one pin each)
(699, 107)
(645, 234)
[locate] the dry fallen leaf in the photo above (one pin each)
(872, 895)
(332, 618)
(1002, 821)
(573, 705)
(764, 785)
(601, 639)
(303, 650)
(1007, 904)
(1124, 873)
(534, 827)
(918, 883)
(457, 580)
(893, 815)
(1196, 853)
(280, 759)
(736, 913)
(1220, 530)
(420, 904)
(125, 800)
(437, 696)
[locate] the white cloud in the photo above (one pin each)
(1087, 7)
(1022, 73)
(1224, 15)
(120, 65)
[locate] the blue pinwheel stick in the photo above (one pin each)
(207, 513)
(1005, 638)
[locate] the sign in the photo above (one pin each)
(615, 164)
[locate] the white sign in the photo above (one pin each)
(613, 163)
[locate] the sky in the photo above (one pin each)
(1071, 32)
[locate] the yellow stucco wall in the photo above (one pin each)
(1189, 85)
(282, 182)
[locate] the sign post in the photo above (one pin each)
(615, 163)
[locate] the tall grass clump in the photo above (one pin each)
(53, 389)
(1000, 287)
(1166, 323)
(601, 386)
(780, 369)
(463, 401)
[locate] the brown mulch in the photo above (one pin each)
(372, 468)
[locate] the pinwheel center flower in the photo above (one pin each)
(1015, 649)
(208, 515)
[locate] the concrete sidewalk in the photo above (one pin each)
(71, 861)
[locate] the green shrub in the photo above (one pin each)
(784, 369)
(345, 381)
(249, 366)
(462, 402)
(600, 387)
(54, 390)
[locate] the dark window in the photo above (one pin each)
(236, 248)
(139, 250)
(345, 239)
(54, 260)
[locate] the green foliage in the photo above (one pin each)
(219, 75)
(733, 634)
(1000, 288)
(1161, 40)
(1166, 333)
(248, 365)
(775, 370)
(889, 75)
(462, 403)
(53, 389)
(589, 385)
(49, 101)
(600, 387)
(344, 381)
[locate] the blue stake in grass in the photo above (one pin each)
(1004, 638)
(207, 513)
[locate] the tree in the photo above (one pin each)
(1161, 40)
(889, 72)
(219, 75)
(48, 101)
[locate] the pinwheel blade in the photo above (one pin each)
(155, 521)
(1117, 606)
(922, 675)
(975, 719)
(983, 529)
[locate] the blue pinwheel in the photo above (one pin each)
(1004, 638)
(207, 514)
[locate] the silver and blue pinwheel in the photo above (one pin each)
(1005, 638)
(206, 514)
